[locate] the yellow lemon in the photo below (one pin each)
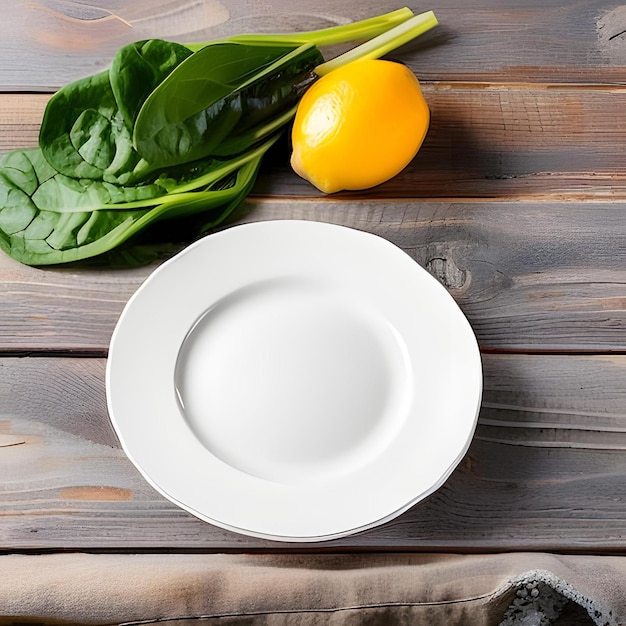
(359, 125)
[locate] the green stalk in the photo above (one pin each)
(364, 29)
(187, 190)
(384, 43)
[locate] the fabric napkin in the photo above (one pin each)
(512, 589)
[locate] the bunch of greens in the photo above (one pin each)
(169, 131)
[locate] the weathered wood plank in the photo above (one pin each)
(505, 141)
(547, 458)
(46, 45)
(530, 277)
(61, 309)
(20, 119)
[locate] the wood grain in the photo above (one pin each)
(48, 44)
(547, 457)
(61, 309)
(544, 276)
(490, 140)
(20, 119)
(516, 203)
(507, 141)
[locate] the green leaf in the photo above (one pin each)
(83, 133)
(138, 68)
(86, 131)
(223, 93)
(65, 219)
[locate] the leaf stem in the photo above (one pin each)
(363, 29)
(384, 43)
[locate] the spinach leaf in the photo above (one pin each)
(83, 133)
(49, 218)
(221, 98)
(86, 131)
(138, 68)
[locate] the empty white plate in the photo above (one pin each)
(294, 380)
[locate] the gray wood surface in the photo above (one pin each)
(498, 140)
(516, 203)
(538, 276)
(52, 43)
(545, 469)
(492, 140)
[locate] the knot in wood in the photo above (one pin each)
(447, 272)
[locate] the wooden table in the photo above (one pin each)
(516, 203)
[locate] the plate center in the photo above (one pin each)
(292, 381)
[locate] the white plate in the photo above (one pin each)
(294, 380)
